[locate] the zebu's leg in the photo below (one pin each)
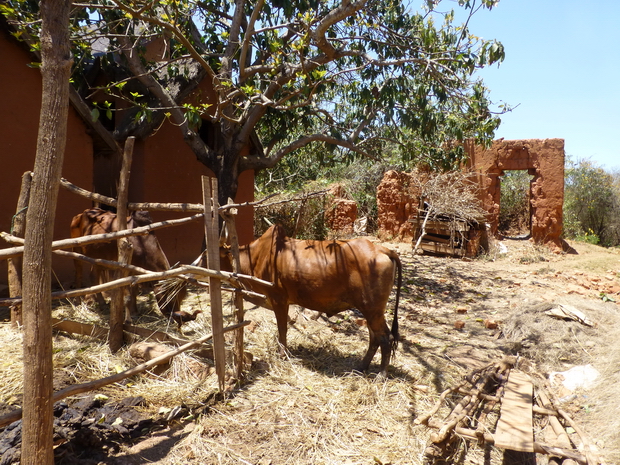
(379, 337)
(281, 311)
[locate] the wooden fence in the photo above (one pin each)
(208, 211)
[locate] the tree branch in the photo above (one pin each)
(197, 145)
(247, 39)
(174, 31)
(345, 10)
(258, 163)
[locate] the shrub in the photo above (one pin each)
(588, 237)
(591, 203)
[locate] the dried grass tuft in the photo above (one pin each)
(188, 382)
(549, 342)
(169, 289)
(11, 365)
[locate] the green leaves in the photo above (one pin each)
(378, 77)
(94, 114)
(491, 52)
(193, 114)
(143, 115)
(591, 203)
(105, 106)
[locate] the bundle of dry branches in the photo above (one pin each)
(450, 197)
(301, 214)
(453, 194)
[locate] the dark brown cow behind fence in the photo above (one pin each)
(329, 277)
(147, 254)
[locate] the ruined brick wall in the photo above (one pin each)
(397, 201)
(342, 212)
(341, 215)
(543, 159)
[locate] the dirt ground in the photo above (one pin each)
(313, 408)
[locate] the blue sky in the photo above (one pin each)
(562, 68)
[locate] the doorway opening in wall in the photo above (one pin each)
(514, 205)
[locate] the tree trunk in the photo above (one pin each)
(227, 175)
(37, 425)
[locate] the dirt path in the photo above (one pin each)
(312, 408)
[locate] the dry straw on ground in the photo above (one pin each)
(312, 408)
(309, 408)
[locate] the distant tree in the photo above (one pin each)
(286, 74)
(614, 227)
(591, 202)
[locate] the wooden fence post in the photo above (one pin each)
(18, 228)
(209, 198)
(229, 215)
(117, 304)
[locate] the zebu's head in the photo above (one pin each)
(170, 294)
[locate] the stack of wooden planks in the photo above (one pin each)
(525, 406)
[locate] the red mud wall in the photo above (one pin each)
(544, 159)
(397, 199)
(164, 169)
(19, 126)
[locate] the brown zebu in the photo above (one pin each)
(326, 276)
(147, 254)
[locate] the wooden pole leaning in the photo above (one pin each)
(125, 250)
(229, 215)
(210, 196)
(18, 228)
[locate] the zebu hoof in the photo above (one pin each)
(362, 368)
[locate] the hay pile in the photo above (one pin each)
(301, 214)
(11, 365)
(79, 359)
(551, 343)
(606, 423)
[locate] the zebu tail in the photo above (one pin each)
(399, 279)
